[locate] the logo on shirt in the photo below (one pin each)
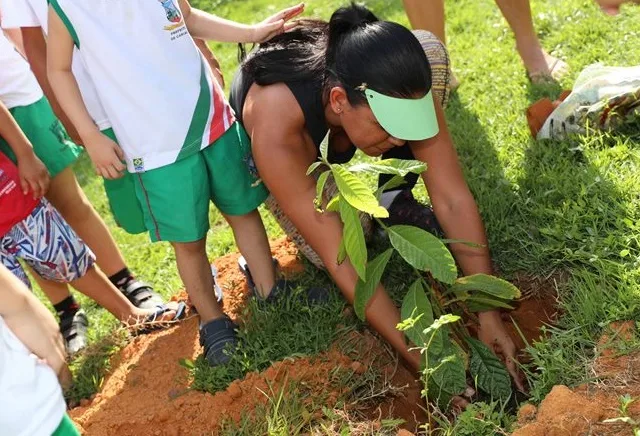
(138, 164)
(173, 14)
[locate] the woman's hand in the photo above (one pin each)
(34, 176)
(106, 155)
(493, 333)
(276, 24)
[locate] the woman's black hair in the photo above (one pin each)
(352, 50)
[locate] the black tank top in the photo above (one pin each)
(309, 97)
(308, 94)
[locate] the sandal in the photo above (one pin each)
(282, 288)
(74, 332)
(218, 337)
(152, 323)
(141, 294)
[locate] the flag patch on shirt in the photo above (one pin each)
(138, 164)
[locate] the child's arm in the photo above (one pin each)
(32, 323)
(207, 26)
(106, 155)
(35, 49)
(211, 60)
(33, 174)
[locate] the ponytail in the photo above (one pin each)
(344, 21)
(352, 49)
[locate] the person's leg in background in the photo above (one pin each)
(430, 15)
(536, 60)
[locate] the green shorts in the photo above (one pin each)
(50, 141)
(66, 428)
(175, 198)
(123, 201)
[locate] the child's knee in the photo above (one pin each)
(251, 218)
(190, 248)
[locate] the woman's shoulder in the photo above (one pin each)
(275, 103)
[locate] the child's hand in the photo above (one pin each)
(65, 378)
(34, 176)
(106, 155)
(276, 24)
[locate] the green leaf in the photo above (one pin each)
(186, 363)
(448, 377)
(416, 305)
(485, 283)
(441, 322)
(398, 167)
(356, 193)
(342, 252)
(424, 251)
(324, 149)
(334, 204)
(488, 371)
(314, 166)
(365, 289)
(483, 303)
(394, 182)
(322, 180)
(353, 237)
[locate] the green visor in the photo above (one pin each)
(405, 118)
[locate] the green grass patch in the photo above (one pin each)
(571, 205)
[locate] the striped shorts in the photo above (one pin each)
(46, 243)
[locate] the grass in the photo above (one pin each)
(571, 205)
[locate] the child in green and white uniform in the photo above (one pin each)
(21, 94)
(177, 133)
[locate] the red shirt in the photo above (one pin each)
(14, 205)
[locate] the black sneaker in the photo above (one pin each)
(218, 337)
(406, 210)
(282, 288)
(74, 332)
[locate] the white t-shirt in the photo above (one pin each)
(155, 86)
(18, 85)
(34, 13)
(31, 401)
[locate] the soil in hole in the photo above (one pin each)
(147, 392)
(537, 308)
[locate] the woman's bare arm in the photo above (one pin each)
(458, 214)
(282, 160)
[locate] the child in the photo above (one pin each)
(20, 92)
(32, 230)
(177, 133)
(32, 359)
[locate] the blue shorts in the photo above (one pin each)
(46, 243)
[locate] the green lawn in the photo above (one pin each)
(572, 206)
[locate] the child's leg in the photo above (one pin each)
(253, 243)
(237, 191)
(47, 243)
(195, 272)
(175, 200)
(68, 198)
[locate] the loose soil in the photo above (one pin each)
(581, 411)
(147, 391)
